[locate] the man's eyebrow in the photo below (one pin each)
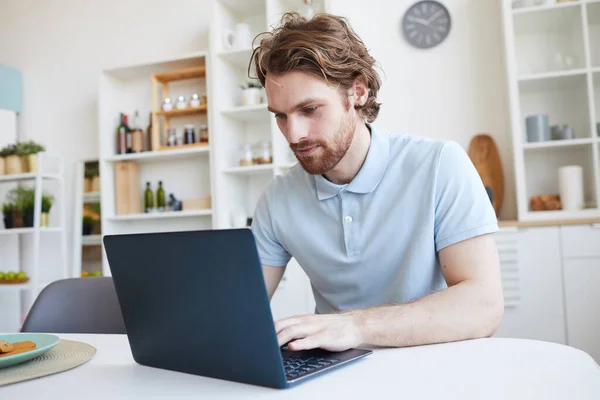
(298, 106)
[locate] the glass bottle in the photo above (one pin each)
(160, 197)
(246, 156)
(137, 135)
(149, 134)
(128, 133)
(121, 136)
(148, 198)
(189, 135)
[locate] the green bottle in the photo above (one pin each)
(160, 197)
(148, 198)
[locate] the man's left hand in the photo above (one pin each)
(333, 332)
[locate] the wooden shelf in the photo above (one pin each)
(161, 215)
(549, 222)
(180, 75)
(179, 113)
(164, 154)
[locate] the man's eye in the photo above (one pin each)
(279, 116)
(310, 110)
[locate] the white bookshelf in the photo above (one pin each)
(28, 249)
(553, 60)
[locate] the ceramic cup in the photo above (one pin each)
(538, 128)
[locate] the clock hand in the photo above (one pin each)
(418, 20)
(434, 16)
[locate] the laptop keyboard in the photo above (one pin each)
(297, 366)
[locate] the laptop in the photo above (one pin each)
(196, 302)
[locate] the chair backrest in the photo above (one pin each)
(76, 305)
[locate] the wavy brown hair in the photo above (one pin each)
(325, 46)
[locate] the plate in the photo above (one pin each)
(43, 343)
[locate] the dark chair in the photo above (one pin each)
(76, 305)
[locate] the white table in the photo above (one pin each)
(477, 369)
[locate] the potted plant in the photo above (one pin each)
(251, 93)
(47, 201)
(88, 224)
(12, 161)
(7, 211)
(92, 180)
(3, 154)
(24, 199)
(28, 153)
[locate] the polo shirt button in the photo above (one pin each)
(348, 219)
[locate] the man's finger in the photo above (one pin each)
(297, 331)
(307, 343)
(284, 323)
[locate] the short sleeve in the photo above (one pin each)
(462, 207)
(270, 250)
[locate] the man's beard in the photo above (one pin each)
(329, 154)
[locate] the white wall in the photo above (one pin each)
(453, 92)
(62, 45)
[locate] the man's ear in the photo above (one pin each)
(360, 88)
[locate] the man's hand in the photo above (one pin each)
(333, 332)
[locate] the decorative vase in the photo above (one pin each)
(44, 220)
(28, 221)
(13, 164)
(8, 221)
(95, 185)
(2, 166)
(31, 162)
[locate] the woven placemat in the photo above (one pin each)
(66, 355)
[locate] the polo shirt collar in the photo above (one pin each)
(368, 176)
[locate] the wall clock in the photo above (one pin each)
(426, 24)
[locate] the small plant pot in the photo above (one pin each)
(95, 185)
(8, 222)
(87, 185)
(31, 162)
(28, 221)
(13, 165)
(87, 230)
(45, 219)
(17, 219)
(2, 166)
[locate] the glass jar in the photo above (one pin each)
(203, 133)
(189, 135)
(246, 156)
(167, 104)
(171, 137)
(263, 154)
(181, 104)
(195, 100)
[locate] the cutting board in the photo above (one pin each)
(486, 158)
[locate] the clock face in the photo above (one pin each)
(426, 24)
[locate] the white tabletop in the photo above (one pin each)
(476, 369)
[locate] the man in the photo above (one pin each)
(394, 231)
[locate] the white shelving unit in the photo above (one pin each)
(21, 248)
(213, 170)
(553, 67)
(86, 249)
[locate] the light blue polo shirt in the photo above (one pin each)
(375, 240)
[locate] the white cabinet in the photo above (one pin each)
(293, 295)
(582, 293)
(532, 285)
